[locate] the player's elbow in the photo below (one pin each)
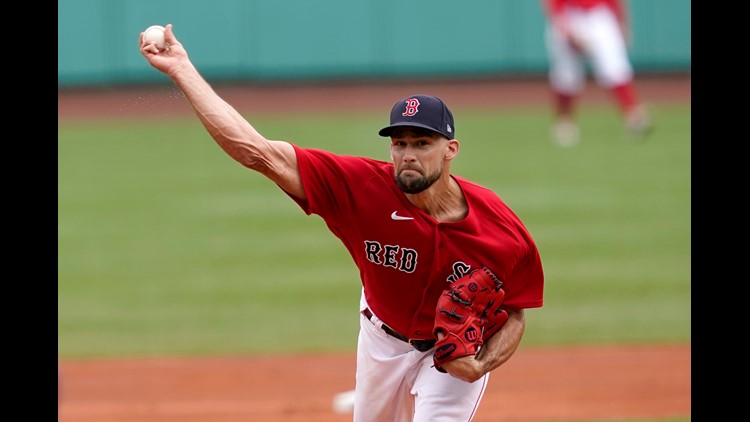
(246, 156)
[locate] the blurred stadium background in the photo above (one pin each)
(292, 40)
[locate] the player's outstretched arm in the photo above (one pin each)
(495, 351)
(274, 159)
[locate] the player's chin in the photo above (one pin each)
(412, 188)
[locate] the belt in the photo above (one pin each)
(421, 345)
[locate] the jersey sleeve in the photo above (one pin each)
(330, 181)
(527, 279)
(524, 280)
(518, 262)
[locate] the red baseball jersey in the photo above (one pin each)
(555, 6)
(405, 257)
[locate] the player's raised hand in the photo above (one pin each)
(168, 60)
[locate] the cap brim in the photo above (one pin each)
(386, 131)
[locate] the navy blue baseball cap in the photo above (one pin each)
(423, 111)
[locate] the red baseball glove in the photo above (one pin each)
(468, 312)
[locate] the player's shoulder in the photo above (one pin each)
(335, 156)
(485, 200)
(319, 157)
(475, 189)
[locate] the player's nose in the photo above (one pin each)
(410, 154)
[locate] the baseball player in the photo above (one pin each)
(431, 248)
(595, 32)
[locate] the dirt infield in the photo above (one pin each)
(539, 385)
(536, 385)
(166, 100)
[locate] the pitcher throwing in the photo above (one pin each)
(446, 267)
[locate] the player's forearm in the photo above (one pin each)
(225, 125)
(501, 346)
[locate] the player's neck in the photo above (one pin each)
(444, 201)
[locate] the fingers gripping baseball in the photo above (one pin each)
(164, 59)
(467, 313)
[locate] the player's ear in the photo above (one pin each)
(451, 150)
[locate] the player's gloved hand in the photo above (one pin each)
(468, 312)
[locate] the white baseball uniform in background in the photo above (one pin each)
(599, 33)
(596, 32)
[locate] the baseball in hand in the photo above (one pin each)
(155, 34)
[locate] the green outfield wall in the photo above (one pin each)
(272, 40)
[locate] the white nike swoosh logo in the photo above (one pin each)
(398, 217)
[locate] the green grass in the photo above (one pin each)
(167, 246)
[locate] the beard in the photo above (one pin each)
(416, 184)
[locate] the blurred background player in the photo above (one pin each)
(597, 32)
